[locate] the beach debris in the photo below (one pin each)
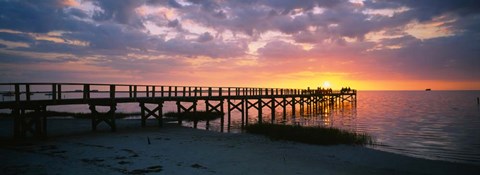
(131, 152)
(198, 166)
(93, 161)
(151, 169)
(123, 162)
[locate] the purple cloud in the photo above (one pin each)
(122, 35)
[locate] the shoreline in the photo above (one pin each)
(178, 150)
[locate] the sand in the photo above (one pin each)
(179, 150)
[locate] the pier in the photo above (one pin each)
(186, 98)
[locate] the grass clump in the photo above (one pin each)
(195, 116)
(310, 135)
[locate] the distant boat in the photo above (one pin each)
(428, 89)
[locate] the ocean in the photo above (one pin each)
(439, 125)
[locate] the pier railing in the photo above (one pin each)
(24, 92)
(23, 100)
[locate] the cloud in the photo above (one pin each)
(280, 50)
(169, 3)
(181, 46)
(38, 17)
(445, 59)
(122, 13)
(205, 37)
(424, 40)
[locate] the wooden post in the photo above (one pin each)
(153, 91)
(245, 104)
(17, 122)
(54, 91)
(112, 92)
(142, 113)
(178, 111)
(176, 91)
(229, 110)
(27, 89)
(223, 114)
(86, 91)
(147, 89)
(161, 89)
(59, 92)
(135, 91)
(243, 113)
(184, 90)
(260, 105)
(284, 107)
(272, 108)
(130, 94)
(169, 91)
(293, 106)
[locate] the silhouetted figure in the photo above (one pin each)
(478, 100)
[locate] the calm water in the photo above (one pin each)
(440, 125)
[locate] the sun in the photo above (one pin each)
(326, 84)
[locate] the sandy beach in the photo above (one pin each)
(179, 150)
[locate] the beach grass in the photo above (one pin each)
(311, 135)
(195, 116)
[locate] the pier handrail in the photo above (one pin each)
(23, 91)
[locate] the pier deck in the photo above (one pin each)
(24, 98)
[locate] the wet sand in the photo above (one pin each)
(179, 150)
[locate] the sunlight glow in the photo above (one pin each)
(326, 84)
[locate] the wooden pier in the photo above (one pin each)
(239, 99)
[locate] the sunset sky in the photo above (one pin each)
(364, 44)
